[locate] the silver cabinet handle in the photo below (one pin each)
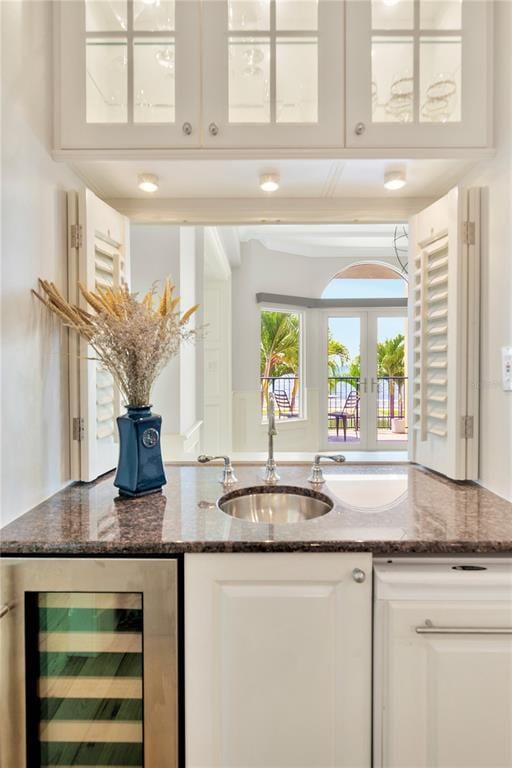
(358, 575)
(429, 629)
(187, 128)
(213, 129)
(4, 610)
(359, 129)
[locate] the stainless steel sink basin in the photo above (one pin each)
(275, 505)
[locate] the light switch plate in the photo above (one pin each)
(506, 358)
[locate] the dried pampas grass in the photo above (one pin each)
(132, 339)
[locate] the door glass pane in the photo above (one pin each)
(297, 15)
(249, 15)
(102, 16)
(441, 14)
(391, 385)
(86, 694)
(344, 380)
(106, 80)
(153, 81)
(249, 80)
(387, 14)
(392, 79)
(153, 17)
(440, 79)
(296, 80)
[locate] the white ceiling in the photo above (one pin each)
(321, 179)
(328, 240)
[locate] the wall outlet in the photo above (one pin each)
(506, 357)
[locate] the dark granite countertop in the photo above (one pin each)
(417, 512)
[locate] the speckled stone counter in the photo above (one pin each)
(430, 515)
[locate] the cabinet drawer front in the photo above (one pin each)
(443, 699)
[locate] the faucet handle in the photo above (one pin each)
(317, 475)
(228, 476)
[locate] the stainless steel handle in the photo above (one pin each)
(4, 610)
(429, 629)
(187, 128)
(359, 129)
(213, 129)
(358, 575)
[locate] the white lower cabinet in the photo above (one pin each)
(278, 660)
(443, 666)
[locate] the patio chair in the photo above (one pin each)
(283, 403)
(349, 410)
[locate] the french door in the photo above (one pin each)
(365, 407)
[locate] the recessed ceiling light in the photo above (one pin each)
(390, 2)
(148, 182)
(395, 179)
(269, 182)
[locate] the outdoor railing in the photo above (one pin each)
(287, 392)
(390, 392)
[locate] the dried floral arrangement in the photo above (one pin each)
(132, 339)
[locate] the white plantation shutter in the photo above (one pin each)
(444, 263)
(99, 257)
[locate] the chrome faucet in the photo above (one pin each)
(317, 476)
(228, 476)
(271, 476)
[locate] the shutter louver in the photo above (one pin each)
(431, 337)
(108, 273)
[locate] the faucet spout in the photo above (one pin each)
(271, 476)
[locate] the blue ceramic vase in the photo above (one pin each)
(140, 470)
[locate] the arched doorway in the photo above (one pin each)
(366, 332)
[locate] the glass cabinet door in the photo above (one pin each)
(129, 73)
(272, 72)
(93, 679)
(418, 73)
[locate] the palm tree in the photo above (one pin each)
(337, 358)
(338, 355)
(279, 349)
(391, 364)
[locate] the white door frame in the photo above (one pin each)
(368, 317)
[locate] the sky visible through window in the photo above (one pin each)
(347, 329)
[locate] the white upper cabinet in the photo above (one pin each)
(418, 73)
(272, 73)
(128, 75)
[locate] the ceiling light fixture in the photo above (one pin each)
(390, 2)
(394, 180)
(148, 182)
(269, 182)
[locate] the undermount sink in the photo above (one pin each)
(275, 504)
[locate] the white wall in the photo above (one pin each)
(189, 297)
(217, 362)
(35, 462)
(158, 251)
(496, 307)
(155, 255)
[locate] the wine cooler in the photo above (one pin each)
(89, 663)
